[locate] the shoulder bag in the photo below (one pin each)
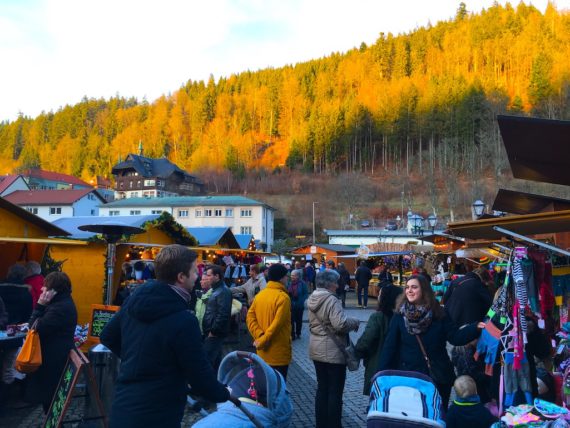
(438, 374)
(29, 358)
(349, 351)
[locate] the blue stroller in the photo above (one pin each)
(259, 395)
(400, 399)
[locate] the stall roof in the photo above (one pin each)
(436, 235)
(337, 248)
(49, 228)
(71, 224)
(244, 240)
(528, 224)
(536, 148)
(211, 236)
(515, 202)
(382, 254)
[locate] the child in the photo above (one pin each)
(467, 410)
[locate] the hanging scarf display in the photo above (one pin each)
(417, 318)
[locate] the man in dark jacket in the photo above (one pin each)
(363, 275)
(216, 321)
(159, 342)
(468, 301)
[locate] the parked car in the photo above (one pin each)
(391, 225)
(365, 223)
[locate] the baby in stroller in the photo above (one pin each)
(259, 395)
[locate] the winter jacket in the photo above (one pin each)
(218, 311)
(56, 327)
(363, 275)
(469, 300)
(3, 315)
(402, 351)
(326, 313)
(302, 295)
(36, 282)
(465, 413)
(18, 302)
(250, 288)
(160, 346)
(201, 303)
(369, 345)
(269, 322)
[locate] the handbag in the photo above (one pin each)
(29, 358)
(438, 374)
(351, 358)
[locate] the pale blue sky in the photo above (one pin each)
(54, 52)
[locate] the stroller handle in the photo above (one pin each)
(240, 406)
(244, 354)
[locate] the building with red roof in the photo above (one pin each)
(39, 179)
(12, 183)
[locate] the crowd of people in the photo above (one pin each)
(170, 333)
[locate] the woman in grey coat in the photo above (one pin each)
(327, 318)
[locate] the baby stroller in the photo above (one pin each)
(403, 399)
(259, 395)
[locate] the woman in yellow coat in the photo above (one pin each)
(269, 321)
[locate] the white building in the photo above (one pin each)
(53, 204)
(374, 236)
(242, 215)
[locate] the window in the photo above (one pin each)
(159, 183)
(245, 213)
(130, 184)
(32, 210)
(198, 213)
(156, 212)
(149, 183)
(182, 213)
(245, 230)
(114, 212)
(121, 185)
(54, 210)
(135, 212)
(138, 184)
(91, 196)
(217, 213)
(207, 213)
(229, 212)
(92, 212)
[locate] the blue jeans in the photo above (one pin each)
(364, 290)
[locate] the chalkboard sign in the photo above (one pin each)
(100, 316)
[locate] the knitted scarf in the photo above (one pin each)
(417, 318)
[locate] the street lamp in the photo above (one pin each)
(478, 208)
(417, 223)
(432, 220)
(314, 221)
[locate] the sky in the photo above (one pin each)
(55, 52)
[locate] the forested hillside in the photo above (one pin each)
(422, 102)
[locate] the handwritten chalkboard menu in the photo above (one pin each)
(76, 364)
(100, 316)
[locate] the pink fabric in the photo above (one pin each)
(36, 282)
(546, 296)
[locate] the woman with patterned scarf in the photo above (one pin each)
(419, 321)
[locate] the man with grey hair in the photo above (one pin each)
(329, 327)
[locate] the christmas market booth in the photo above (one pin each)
(321, 253)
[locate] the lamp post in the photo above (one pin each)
(478, 208)
(432, 220)
(314, 221)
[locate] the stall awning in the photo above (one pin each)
(41, 240)
(537, 148)
(515, 202)
(529, 224)
(383, 254)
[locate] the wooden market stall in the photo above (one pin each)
(322, 252)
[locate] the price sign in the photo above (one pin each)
(100, 316)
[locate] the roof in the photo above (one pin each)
(515, 202)
(49, 197)
(371, 233)
(25, 215)
(528, 224)
(54, 176)
(536, 148)
(7, 180)
(151, 167)
(212, 236)
(244, 240)
(187, 201)
(380, 254)
(330, 247)
(71, 224)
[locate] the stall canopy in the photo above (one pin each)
(244, 241)
(71, 224)
(381, 254)
(537, 148)
(515, 202)
(214, 237)
(528, 224)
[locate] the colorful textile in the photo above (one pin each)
(417, 318)
(488, 345)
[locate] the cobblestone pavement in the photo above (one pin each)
(301, 382)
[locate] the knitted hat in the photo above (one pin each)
(276, 272)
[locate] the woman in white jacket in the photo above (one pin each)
(327, 318)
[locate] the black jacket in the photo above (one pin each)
(469, 416)
(218, 311)
(56, 327)
(468, 301)
(18, 302)
(401, 350)
(363, 275)
(160, 346)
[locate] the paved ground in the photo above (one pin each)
(301, 382)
